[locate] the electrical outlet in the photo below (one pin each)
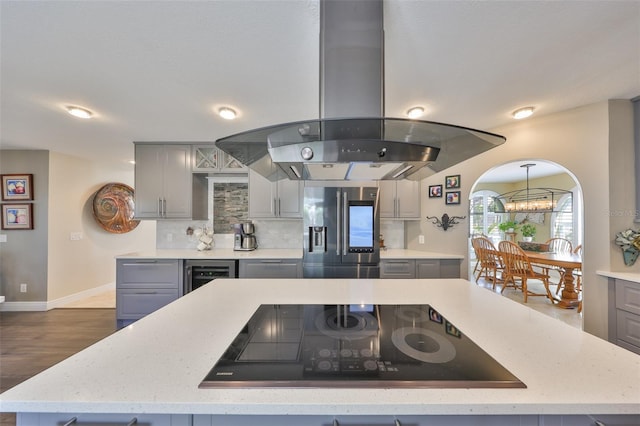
(420, 239)
(169, 237)
(75, 236)
(23, 288)
(3, 238)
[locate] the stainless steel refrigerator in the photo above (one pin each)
(341, 232)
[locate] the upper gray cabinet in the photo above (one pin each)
(209, 159)
(163, 181)
(280, 199)
(399, 199)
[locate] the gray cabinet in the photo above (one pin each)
(399, 199)
(145, 285)
(438, 268)
(420, 268)
(416, 420)
(163, 181)
(270, 268)
(209, 159)
(397, 268)
(280, 199)
(624, 314)
(81, 419)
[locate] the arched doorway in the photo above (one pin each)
(566, 222)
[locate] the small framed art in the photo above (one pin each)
(17, 216)
(17, 187)
(435, 191)
(453, 197)
(452, 182)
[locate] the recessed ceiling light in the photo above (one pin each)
(227, 113)
(415, 112)
(79, 112)
(521, 113)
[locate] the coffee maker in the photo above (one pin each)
(244, 238)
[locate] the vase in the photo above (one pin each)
(527, 239)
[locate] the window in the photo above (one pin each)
(483, 220)
(566, 222)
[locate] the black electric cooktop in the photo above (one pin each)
(355, 346)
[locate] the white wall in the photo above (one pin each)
(579, 140)
(77, 266)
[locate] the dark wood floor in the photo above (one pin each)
(30, 342)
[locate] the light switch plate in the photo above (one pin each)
(3, 238)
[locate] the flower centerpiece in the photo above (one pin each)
(629, 242)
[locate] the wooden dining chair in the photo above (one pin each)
(489, 260)
(517, 267)
(557, 245)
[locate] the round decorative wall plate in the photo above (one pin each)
(113, 208)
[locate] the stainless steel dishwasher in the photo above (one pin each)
(199, 272)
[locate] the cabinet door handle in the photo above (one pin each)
(164, 207)
(159, 207)
(271, 261)
(146, 292)
(74, 421)
(397, 261)
(279, 207)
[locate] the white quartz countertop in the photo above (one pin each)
(156, 364)
(628, 276)
(221, 253)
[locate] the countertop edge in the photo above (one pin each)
(628, 276)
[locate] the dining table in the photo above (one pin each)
(568, 262)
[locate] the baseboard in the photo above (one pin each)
(23, 306)
(52, 304)
(63, 301)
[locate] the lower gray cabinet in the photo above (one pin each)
(425, 420)
(144, 286)
(624, 314)
(419, 268)
(270, 268)
(50, 419)
(438, 268)
(397, 268)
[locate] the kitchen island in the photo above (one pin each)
(152, 368)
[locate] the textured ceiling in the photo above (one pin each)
(157, 70)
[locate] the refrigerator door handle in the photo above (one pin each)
(338, 212)
(344, 223)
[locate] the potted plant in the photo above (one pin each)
(508, 226)
(528, 232)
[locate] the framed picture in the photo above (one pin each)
(452, 182)
(17, 187)
(452, 330)
(453, 197)
(17, 216)
(434, 315)
(435, 191)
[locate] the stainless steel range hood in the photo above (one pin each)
(353, 140)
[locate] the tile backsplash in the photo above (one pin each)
(228, 205)
(282, 233)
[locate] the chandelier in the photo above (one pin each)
(531, 200)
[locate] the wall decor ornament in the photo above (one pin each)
(113, 208)
(446, 221)
(629, 242)
(17, 216)
(17, 187)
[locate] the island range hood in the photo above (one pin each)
(352, 140)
